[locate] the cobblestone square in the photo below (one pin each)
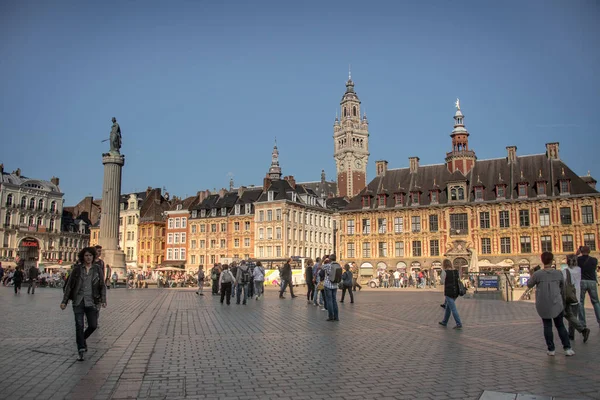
(172, 344)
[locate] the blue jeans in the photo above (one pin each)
(318, 297)
(241, 286)
(562, 332)
(592, 288)
(331, 300)
(451, 308)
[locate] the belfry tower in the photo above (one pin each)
(461, 158)
(351, 144)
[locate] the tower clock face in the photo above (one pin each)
(358, 164)
(342, 165)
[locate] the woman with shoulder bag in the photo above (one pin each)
(572, 276)
(451, 292)
(347, 283)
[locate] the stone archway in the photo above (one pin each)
(29, 251)
(461, 264)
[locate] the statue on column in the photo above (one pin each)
(115, 137)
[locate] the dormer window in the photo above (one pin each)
(381, 200)
(399, 199)
(522, 190)
(434, 197)
(564, 186)
(414, 198)
(223, 211)
(294, 196)
(194, 213)
(500, 192)
(202, 213)
(366, 201)
(213, 212)
(457, 193)
(478, 193)
(247, 208)
(179, 207)
(270, 195)
(541, 188)
(237, 209)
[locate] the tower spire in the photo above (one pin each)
(461, 157)
(275, 169)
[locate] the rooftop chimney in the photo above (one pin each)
(511, 154)
(413, 164)
(222, 192)
(291, 181)
(241, 190)
(148, 190)
(266, 182)
(552, 151)
(323, 176)
(381, 167)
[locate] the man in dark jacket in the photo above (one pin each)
(34, 274)
(215, 274)
(286, 277)
(589, 282)
(87, 291)
(451, 293)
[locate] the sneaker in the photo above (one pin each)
(323, 309)
(441, 323)
(551, 353)
(457, 327)
(80, 358)
(569, 352)
(586, 334)
(294, 296)
(443, 305)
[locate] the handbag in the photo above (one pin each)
(462, 290)
(570, 291)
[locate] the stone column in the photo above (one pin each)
(109, 216)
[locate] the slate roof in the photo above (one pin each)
(323, 189)
(186, 204)
(153, 207)
(125, 197)
(486, 173)
(337, 203)
(20, 180)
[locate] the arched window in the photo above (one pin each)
(51, 224)
(32, 203)
(345, 112)
(23, 202)
(461, 194)
(354, 111)
(40, 221)
(30, 221)
(7, 218)
(40, 204)
(453, 194)
(9, 200)
(53, 206)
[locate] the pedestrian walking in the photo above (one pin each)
(347, 283)
(34, 274)
(451, 292)
(572, 277)
(86, 290)
(331, 286)
(200, 291)
(18, 278)
(215, 275)
(549, 298)
(115, 278)
(259, 280)
(355, 283)
(286, 278)
(226, 280)
(589, 283)
(308, 278)
(242, 280)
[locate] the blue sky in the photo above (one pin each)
(202, 88)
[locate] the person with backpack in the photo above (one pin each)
(549, 303)
(226, 280)
(286, 279)
(200, 291)
(347, 284)
(215, 274)
(572, 277)
(451, 292)
(34, 274)
(242, 280)
(333, 276)
(259, 280)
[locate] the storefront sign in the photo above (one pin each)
(488, 281)
(29, 243)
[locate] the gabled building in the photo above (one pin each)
(129, 218)
(151, 235)
(482, 214)
(177, 230)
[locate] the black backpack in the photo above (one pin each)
(245, 276)
(335, 273)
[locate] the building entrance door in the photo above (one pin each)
(29, 252)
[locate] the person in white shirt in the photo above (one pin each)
(396, 279)
(572, 310)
